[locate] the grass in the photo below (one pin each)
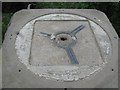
(5, 21)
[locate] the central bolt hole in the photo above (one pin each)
(63, 38)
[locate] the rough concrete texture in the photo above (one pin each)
(34, 56)
(15, 73)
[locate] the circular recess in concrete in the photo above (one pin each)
(36, 50)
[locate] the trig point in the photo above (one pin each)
(60, 48)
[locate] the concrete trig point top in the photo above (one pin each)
(64, 45)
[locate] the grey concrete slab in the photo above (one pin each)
(40, 52)
(16, 75)
(0, 68)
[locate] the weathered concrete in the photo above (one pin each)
(12, 65)
(42, 47)
(31, 47)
